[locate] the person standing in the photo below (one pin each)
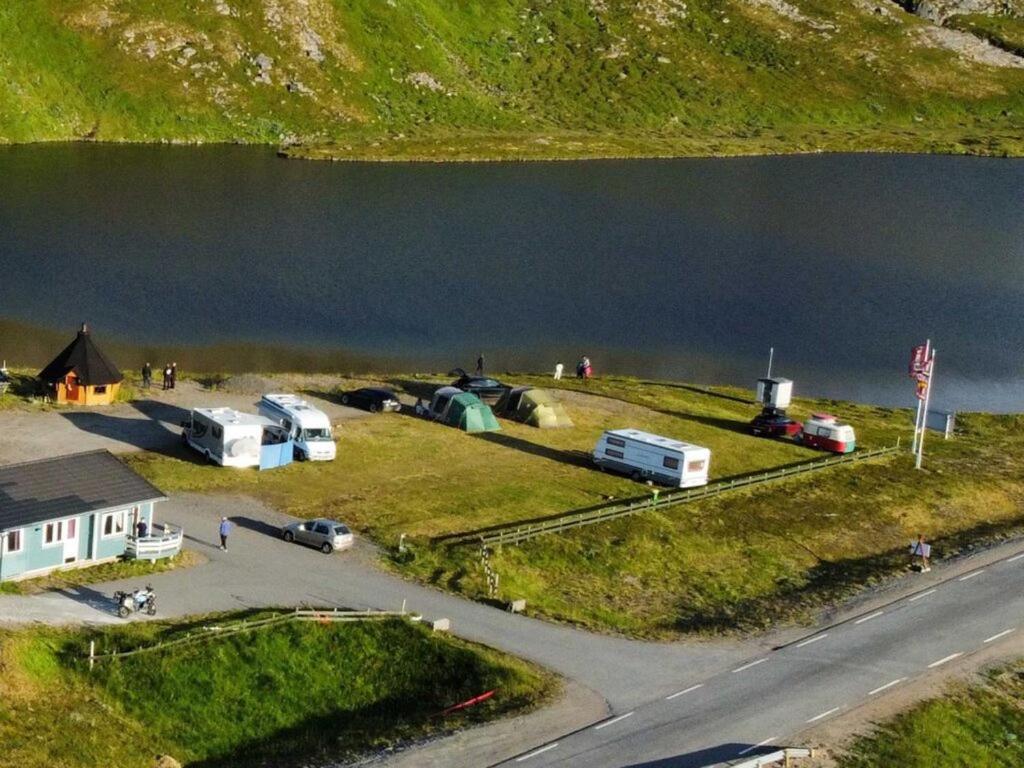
(480, 365)
(923, 550)
(225, 529)
(174, 374)
(558, 371)
(147, 375)
(167, 376)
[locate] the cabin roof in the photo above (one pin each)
(46, 489)
(88, 362)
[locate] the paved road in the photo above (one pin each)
(768, 698)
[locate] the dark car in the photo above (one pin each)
(372, 399)
(490, 391)
(772, 423)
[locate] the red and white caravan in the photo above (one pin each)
(824, 432)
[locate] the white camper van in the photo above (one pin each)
(226, 436)
(644, 456)
(308, 427)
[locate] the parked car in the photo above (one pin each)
(490, 391)
(325, 535)
(771, 423)
(372, 399)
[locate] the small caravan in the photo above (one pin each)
(644, 456)
(308, 427)
(234, 439)
(824, 432)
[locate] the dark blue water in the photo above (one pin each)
(686, 268)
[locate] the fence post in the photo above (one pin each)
(92, 654)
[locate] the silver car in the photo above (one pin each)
(325, 535)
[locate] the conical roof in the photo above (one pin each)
(83, 357)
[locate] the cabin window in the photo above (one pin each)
(697, 465)
(113, 524)
(100, 390)
(12, 542)
(53, 533)
(619, 443)
(670, 462)
(613, 453)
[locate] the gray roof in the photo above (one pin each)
(35, 491)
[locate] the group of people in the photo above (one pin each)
(584, 370)
(170, 375)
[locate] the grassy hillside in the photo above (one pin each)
(978, 726)
(509, 78)
(294, 694)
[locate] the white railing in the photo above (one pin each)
(156, 546)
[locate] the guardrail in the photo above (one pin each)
(167, 544)
(514, 533)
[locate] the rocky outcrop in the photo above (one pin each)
(938, 11)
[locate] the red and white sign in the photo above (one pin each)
(919, 361)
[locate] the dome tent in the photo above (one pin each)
(536, 407)
(463, 410)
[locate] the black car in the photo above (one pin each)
(372, 399)
(489, 390)
(773, 423)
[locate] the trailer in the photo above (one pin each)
(644, 456)
(235, 439)
(308, 427)
(826, 433)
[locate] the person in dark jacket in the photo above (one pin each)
(174, 374)
(147, 375)
(480, 365)
(167, 376)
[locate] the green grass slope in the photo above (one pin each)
(439, 79)
(294, 694)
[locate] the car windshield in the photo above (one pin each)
(312, 435)
(340, 530)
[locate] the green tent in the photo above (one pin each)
(467, 413)
(537, 407)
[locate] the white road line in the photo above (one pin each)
(760, 744)
(1016, 557)
(687, 690)
(940, 662)
(814, 639)
(536, 752)
(869, 617)
(613, 721)
(1004, 633)
(751, 664)
(824, 714)
(886, 687)
(971, 575)
(923, 594)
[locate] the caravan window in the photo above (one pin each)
(670, 462)
(696, 465)
(616, 442)
(218, 432)
(613, 453)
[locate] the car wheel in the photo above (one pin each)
(326, 548)
(289, 536)
(372, 408)
(122, 612)
(344, 399)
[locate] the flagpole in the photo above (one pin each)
(927, 399)
(918, 426)
(771, 354)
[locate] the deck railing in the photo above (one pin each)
(156, 546)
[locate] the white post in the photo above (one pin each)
(771, 356)
(927, 400)
(918, 425)
(92, 654)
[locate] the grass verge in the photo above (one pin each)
(121, 569)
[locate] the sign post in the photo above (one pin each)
(921, 368)
(927, 399)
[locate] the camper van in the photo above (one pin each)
(308, 427)
(824, 432)
(644, 456)
(234, 439)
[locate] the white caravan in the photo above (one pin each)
(308, 427)
(226, 436)
(644, 456)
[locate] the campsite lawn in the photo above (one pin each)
(259, 697)
(740, 561)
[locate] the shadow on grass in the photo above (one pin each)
(572, 458)
(699, 391)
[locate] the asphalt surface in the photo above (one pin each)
(763, 701)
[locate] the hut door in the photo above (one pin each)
(72, 387)
(71, 540)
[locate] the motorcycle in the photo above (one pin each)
(141, 600)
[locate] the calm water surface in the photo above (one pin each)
(687, 269)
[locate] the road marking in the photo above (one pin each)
(751, 664)
(536, 752)
(824, 714)
(687, 690)
(940, 662)
(1016, 557)
(886, 687)
(812, 640)
(764, 743)
(869, 617)
(613, 721)
(923, 594)
(971, 575)
(1004, 633)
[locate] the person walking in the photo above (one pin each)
(174, 374)
(920, 549)
(480, 365)
(225, 529)
(167, 376)
(558, 371)
(147, 376)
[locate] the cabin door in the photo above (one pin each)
(71, 540)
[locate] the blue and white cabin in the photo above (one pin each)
(74, 511)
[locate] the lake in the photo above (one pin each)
(686, 269)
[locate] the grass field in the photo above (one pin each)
(740, 561)
(978, 726)
(286, 695)
(435, 79)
